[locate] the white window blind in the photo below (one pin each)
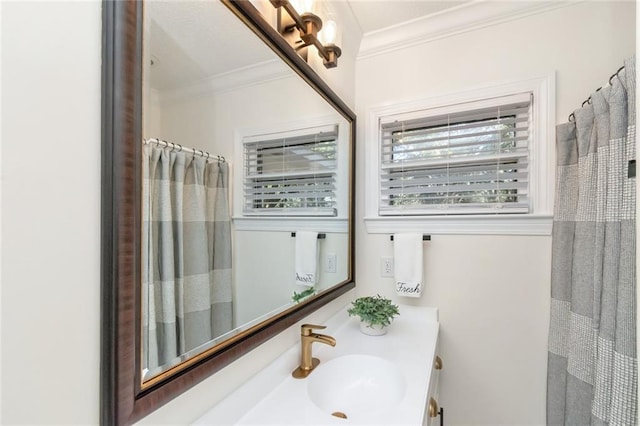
(291, 174)
(468, 158)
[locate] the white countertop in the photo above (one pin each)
(273, 397)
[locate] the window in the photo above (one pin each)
(291, 174)
(469, 159)
(474, 162)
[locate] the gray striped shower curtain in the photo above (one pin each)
(592, 365)
(186, 254)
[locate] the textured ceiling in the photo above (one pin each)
(194, 40)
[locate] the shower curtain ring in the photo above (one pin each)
(616, 74)
(180, 147)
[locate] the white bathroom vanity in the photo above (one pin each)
(371, 380)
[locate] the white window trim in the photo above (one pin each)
(285, 224)
(339, 223)
(542, 178)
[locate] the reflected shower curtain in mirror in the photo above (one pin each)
(186, 253)
(592, 364)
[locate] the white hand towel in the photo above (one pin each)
(407, 252)
(306, 258)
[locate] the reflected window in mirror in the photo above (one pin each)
(291, 174)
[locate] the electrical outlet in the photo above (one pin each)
(386, 266)
(330, 263)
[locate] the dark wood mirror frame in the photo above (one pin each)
(122, 399)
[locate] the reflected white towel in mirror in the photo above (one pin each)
(306, 258)
(407, 252)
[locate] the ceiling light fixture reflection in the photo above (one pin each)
(301, 31)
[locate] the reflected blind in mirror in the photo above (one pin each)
(469, 158)
(292, 173)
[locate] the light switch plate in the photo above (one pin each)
(330, 263)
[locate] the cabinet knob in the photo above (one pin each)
(438, 363)
(433, 408)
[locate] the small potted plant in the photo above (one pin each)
(375, 312)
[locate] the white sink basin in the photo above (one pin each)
(372, 380)
(353, 385)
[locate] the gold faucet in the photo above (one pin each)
(307, 362)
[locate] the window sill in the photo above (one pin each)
(463, 225)
(291, 224)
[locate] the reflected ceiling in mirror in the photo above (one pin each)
(191, 42)
(218, 255)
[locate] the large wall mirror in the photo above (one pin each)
(227, 195)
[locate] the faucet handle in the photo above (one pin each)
(307, 328)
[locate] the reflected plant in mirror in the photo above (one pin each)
(227, 208)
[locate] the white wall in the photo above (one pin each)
(492, 291)
(50, 212)
(265, 265)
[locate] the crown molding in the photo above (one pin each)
(233, 80)
(457, 20)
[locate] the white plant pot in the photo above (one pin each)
(372, 330)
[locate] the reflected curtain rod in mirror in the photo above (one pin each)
(125, 395)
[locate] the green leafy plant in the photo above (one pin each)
(298, 297)
(374, 310)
